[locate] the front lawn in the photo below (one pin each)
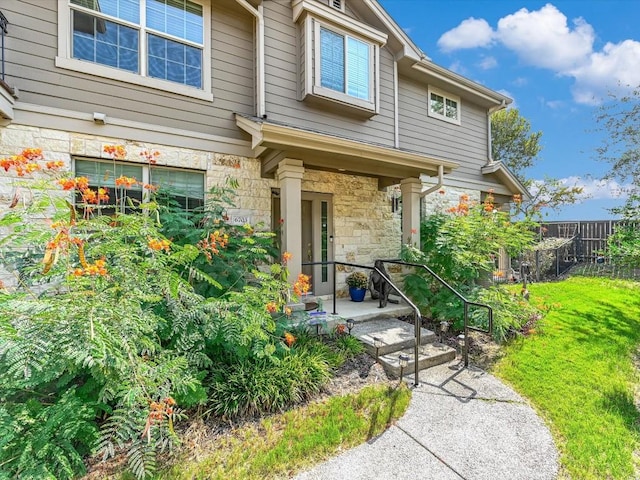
(578, 371)
(282, 444)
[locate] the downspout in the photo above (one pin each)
(258, 13)
(438, 185)
(490, 112)
(396, 121)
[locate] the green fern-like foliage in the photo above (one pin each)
(47, 437)
(110, 326)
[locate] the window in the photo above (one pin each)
(184, 186)
(344, 68)
(340, 56)
(345, 64)
(444, 106)
(158, 43)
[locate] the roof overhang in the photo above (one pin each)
(506, 176)
(272, 142)
(425, 70)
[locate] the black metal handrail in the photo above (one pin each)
(465, 302)
(3, 31)
(418, 315)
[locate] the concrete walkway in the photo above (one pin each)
(461, 424)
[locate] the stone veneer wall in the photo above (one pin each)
(365, 229)
(253, 195)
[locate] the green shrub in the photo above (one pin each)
(46, 437)
(253, 387)
(348, 345)
(512, 314)
(105, 331)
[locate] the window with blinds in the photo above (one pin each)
(345, 64)
(184, 186)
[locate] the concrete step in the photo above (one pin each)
(394, 334)
(430, 355)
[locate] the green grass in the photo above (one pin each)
(283, 444)
(579, 373)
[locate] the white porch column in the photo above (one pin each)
(289, 177)
(411, 188)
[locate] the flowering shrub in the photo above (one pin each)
(460, 244)
(105, 338)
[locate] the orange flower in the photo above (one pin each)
(289, 339)
(286, 256)
(287, 311)
(117, 152)
(32, 154)
(464, 198)
(340, 328)
(488, 207)
(272, 307)
(148, 186)
(155, 244)
(67, 183)
(150, 156)
(441, 191)
(210, 246)
(301, 285)
(414, 231)
(126, 182)
(54, 165)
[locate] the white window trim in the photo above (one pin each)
(65, 60)
(370, 104)
(146, 171)
(446, 96)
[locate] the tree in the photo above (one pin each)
(513, 144)
(620, 120)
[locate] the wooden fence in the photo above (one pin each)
(591, 236)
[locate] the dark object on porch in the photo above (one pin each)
(378, 286)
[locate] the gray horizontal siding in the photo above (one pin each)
(283, 83)
(465, 143)
(31, 47)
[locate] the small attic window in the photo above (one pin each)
(337, 4)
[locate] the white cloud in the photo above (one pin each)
(488, 63)
(593, 189)
(544, 39)
(458, 68)
(520, 82)
(554, 104)
(471, 33)
(615, 67)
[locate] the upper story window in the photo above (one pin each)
(444, 106)
(158, 43)
(345, 64)
(340, 56)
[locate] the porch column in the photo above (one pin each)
(411, 188)
(289, 177)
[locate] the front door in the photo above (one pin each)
(317, 240)
(316, 237)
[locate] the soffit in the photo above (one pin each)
(272, 142)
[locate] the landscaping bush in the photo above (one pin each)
(512, 314)
(105, 338)
(257, 386)
(460, 245)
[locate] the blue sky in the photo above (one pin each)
(557, 60)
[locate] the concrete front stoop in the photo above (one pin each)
(398, 337)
